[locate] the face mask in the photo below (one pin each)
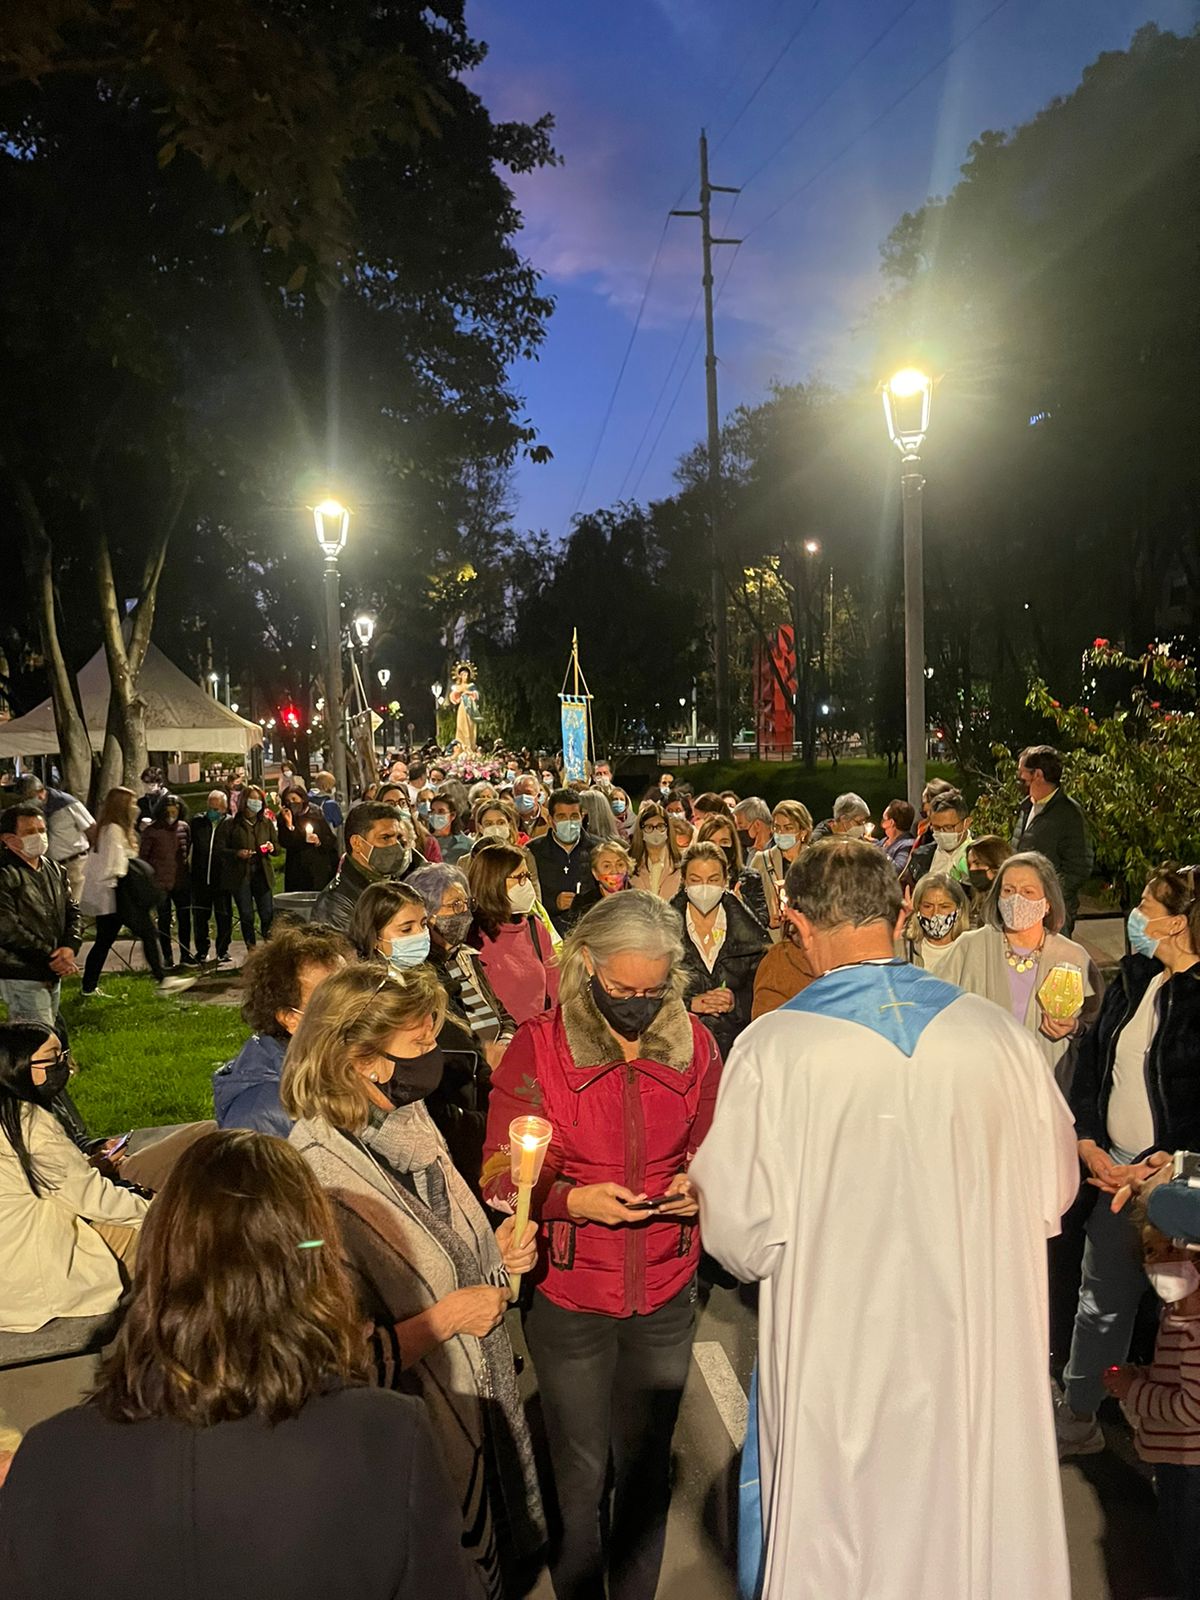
(664, 788)
(785, 841)
(654, 837)
(34, 845)
(496, 830)
(568, 832)
(947, 839)
(525, 803)
(747, 841)
(453, 929)
(214, 816)
(612, 881)
(980, 881)
(628, 1017)
(423, 809)
(439, 822)
(705, 897)
(511, 774)
(939, 926)
(522, 899)
(415, 1077)
(1173, 1281)
(619, 808)
(57, 1078)
(297, 804)
(254, 807)
(858, 831)
(409, 951)
(388, 860)
(1139, 940)
(1018, 913)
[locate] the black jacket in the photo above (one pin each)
(335, 904)
(206, 858)
(562, 871)
(308, 866)
(746, 943)
(1172, 1061)
(1060, 833)
(37, 917)
(244, 832)
(239, 1511)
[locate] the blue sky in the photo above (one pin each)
(631, 82)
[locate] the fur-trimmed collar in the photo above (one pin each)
(668, 1039)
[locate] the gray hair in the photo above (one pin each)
(847, 806)
(431, 883)
(632, 922)
(753, 810)
(601, 823)
(478, 790)
(214, 794)
(948, 885)
(1056, 916)
(841, 882)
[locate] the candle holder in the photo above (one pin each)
(529, 1139)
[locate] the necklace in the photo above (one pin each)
(1022, 960)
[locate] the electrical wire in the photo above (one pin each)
(769, 73)
(875, 121)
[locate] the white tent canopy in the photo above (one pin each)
(179, 714)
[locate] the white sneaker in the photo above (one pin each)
(1077, 1436)
(175, 984)
(96, 994)
(225, 964)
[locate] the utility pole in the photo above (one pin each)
(720, 621)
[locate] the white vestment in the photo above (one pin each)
(889, 1158)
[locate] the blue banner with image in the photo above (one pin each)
(574, 738)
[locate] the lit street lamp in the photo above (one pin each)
(364, 628)
(906, 403)
(436, 691)
(332, 522)
(384, 675)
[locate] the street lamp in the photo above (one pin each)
(332, 521)
(384, 675)
(812, 547)
(364, 628)
(907, 397)
(436, 690)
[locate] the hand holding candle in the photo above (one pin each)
(529, 1139)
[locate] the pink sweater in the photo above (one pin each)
(525, 979)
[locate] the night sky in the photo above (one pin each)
(631, 82)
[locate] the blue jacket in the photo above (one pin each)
(246, 1089)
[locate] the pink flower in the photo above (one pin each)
(1100, 644)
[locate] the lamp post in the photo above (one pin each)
(364, 632)
(332, 522)
(436, 691)
(385, 677)
(906, 404)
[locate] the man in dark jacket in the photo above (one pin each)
(563, 858)
(208, 897)
(40, 926)
(1051, 822)
(376, 849)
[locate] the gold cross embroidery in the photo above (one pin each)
(895, 1005)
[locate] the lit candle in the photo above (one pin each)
(529, 1139)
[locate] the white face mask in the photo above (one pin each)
(34, 845)
(1018, 913)
(947, 838)
(705, 896)
(857, 831)
(1173, 1281)
(654, 836)
(521, 899)
(496, 830)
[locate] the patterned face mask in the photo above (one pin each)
(937, 927)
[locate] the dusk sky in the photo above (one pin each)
(631, 82)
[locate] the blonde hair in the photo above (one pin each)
(705, 850)
(796, 813)
(609, 847)
(350, 1019)
(120, 809)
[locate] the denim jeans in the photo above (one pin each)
(1179, 1519)
(254, 894)
(610, 1389)
(208, 902)
(1110, 1291)
(29, 1000)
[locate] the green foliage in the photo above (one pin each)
(1132, 768)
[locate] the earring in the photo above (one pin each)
(374, 1077)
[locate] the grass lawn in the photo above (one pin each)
(144, 1061)
(787, 780)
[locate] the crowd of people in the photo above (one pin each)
(838, 1063)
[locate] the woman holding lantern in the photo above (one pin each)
(432, 1278)
(1022, 961)
(626, 1080)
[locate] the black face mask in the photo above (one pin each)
(415, 1077)
(980, 881)
(629, 1017)
(747, 842)
(57, 1078)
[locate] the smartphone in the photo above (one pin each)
(649, 1205)
(116, 1148)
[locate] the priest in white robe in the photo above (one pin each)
(888, 1157)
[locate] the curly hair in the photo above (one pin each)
(271, 975)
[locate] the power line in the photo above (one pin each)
(874, 123)
(612, 399)
(824, 101)
(769, 73)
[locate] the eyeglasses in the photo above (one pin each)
(349, 1026)
(520, 878)
(621, 991)
(456, 908)
(63, 1057)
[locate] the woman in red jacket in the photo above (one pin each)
(628, 1080)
